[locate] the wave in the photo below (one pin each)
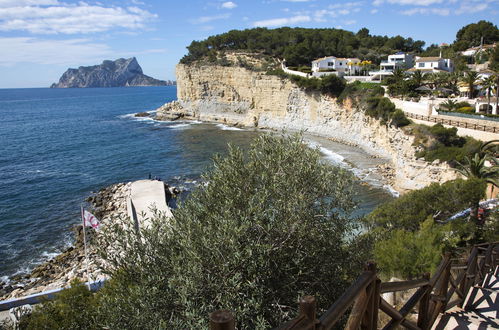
(228, 128)
(364, 174)
(391, 190)
(329, 154)
(179, 126)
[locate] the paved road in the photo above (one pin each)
(145, 197)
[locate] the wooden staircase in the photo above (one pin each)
(480, 309)
(461, 294)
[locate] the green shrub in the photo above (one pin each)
(267, 227)
(73, 308)
(466, 109)
(438, 200)
(410, 254)
(305, 69)
(399, 119)
(380, 108)
(332, 85)
(462, 104)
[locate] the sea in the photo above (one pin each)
(58, 146)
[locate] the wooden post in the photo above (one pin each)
(308, 307)
(222, 320)
(424, 306)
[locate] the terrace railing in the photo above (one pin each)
(363, 300)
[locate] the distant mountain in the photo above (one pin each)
(119, 73)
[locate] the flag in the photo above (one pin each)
(89, 220)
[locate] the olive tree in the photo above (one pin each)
(266, 227)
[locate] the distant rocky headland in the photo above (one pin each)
(119, 73)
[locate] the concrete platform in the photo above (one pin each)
(147, 199)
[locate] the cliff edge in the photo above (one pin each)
(240, 96)
(119, 73)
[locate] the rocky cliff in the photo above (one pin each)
(119, 73)
(237, 96)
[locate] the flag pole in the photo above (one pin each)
(85, 245)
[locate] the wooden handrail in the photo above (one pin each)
(403, 285)
(336, 311)
(434, 295)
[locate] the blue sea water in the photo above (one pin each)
(57, 146)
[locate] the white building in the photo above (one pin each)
(475, 50)
(433, 64)
(335, 65)
(395, 61)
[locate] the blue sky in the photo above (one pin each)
(40, 39)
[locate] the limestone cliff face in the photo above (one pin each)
(237, 96)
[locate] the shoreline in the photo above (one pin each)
(110, 202)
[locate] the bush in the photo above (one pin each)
(409, 233)
(399, 119)
(442, 143)
(266, 228)
(332, 85)
(380, 108)
(407, 254)
(437, 200)
(74, 308)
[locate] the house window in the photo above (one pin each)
(420, 65)
(330, 63)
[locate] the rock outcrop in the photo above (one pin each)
(237, 96)
(109, 204)
(119, 73)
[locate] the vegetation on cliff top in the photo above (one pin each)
(299, 46)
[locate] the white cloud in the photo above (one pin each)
(470, 8)
(350, 22)
(346, 5)
(229, 5)
(206, 19)
(23, 3)
(64, 52)
(70, 52)
(69, 19)
(374, 11)
(408, 2)
(297, 0)
(282, 21)
(427, 11)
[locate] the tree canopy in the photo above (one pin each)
(299, 46)
(471, 35)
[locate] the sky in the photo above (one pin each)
(40, 39)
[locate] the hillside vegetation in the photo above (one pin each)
(299, 46)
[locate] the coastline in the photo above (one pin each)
(108, 203)
(240, 97)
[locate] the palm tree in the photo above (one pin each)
(488, 83)
(398, 75)
(417, 78)
(449, 105)
(496, 82)
(452, 80)
(476, 167)
(470, 78)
